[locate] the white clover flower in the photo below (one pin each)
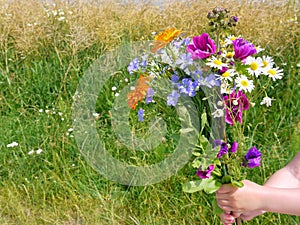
(39, 151)
(13, 144)
(267, 101)
(31, 152)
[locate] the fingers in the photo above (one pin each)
(227, 219)
(226, 188)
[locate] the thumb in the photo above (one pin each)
(226, 188)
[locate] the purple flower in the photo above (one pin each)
(223, 150)
(149, 95)
(204, 174)
(202, 47)
(252, 158)
(235, 104)
(133, 66)
(141, 115)
(234, 147)
(243, 49)
(173, 98)
(235, 19)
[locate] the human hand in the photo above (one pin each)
(227, 219)
(250, 215)
(239, 200)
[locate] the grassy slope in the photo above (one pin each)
(40, 69)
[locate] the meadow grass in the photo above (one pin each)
(45, 50)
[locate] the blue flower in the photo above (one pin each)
(188, 87)
(184, 60)
(133, 66)
(149, 95)
(141, 115)
(173, 98)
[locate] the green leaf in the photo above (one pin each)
(211, 185)
(192, 186)
(238, 184)
(203, 120)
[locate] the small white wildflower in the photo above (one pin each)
(62, 119)
(60, 113)
(235, 102)
(267, 101)
(126, 80)
(41, 110)
(95, 114)
(220, 103)
(47, 111)
(13, 144)
(132, 88)
(218, 113)
(62, 18)
(39, 151)
(114, 88)
(70, 129)
(73, 164)
(117, 94)
(31, 152)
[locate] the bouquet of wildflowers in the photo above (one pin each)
(234, 67)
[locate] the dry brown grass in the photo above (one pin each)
(26, 26)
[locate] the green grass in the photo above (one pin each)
(41, 70)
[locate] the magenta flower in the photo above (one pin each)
(202, 47)
(234, 147)
(235, 104)
(243, 49)
(204, 174)
(252, 158)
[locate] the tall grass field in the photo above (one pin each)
(45, 49)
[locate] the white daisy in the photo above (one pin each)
(230, 39)
(255, 64)
(267, 62)
(215, 63)
(228, 75)
(275, 73)
(243, 83)
(267, 101)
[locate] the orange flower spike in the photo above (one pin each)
(165, 37)
(139, 93)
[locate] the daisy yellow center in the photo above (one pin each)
(265, 63)
(244, 83)
(254, 66)
(272, 72)
(218, 62)
(232, 38)
(225, 74)
(229, 55)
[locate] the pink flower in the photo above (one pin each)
(235, 104)
(202, 47)
(204, 174)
